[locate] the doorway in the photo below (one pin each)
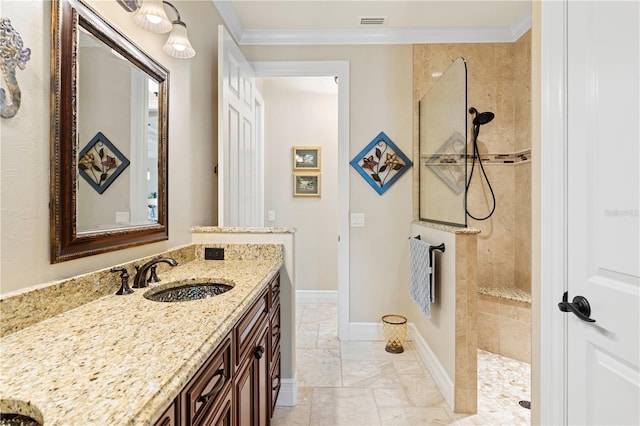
(339, 69)
(300, 166)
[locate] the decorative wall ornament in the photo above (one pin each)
(13, 55)
(448, 163)
(100, 163)
(306, 157)
(306, 185)
(381, 163)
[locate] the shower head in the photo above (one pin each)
(482, 117)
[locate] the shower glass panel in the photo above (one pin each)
(443, 148)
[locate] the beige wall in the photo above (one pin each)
(25, 143)
(303, 111)
(498, 80)
(380, 96)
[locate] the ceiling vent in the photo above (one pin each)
(373, 21)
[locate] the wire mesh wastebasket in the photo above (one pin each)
(395, 332)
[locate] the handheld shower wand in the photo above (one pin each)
(479, 119)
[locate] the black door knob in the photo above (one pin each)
(579, 306)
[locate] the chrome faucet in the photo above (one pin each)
(140, 280)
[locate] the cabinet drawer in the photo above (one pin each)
(223, 415)
(249, 325)
(275, 383)
(169, 417)
(275, 332)
(206, 389)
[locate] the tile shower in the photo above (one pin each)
(498, 80)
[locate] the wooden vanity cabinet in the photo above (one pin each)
(274, 344)
(238, 385)
(252, 392)
(207, 389)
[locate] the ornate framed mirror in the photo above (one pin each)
(109, 138)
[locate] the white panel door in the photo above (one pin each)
(240, 176)
(603, 201)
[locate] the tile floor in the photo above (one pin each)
(359, 383)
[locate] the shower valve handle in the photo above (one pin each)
(579, 306)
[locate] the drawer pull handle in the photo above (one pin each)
(276, 330)
(216, 389)
(277, 380)
(259, 352)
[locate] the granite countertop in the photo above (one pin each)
(241, 230)
(121, 360)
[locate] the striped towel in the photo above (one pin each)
(420, 277)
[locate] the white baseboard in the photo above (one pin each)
(435, 368)
(288, 395)
(316, 296)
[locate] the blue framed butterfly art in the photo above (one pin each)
(381, 163)
(100, 163)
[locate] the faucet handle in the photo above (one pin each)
(124, 276)
(153, 275)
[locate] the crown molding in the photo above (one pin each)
(521, 26)
(368, 36)
(230, 18)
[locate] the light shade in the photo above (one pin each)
(178, 44)
(152, 17)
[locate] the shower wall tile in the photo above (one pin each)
(523, 227)
(504, 327)
(499, 80)
(515, 339)
(466, 324)
(519, 311)
(489, 332)
(488, 305)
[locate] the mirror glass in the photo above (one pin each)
(109, 138)
(126, 144)
(443, 148)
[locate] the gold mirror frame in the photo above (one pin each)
(65, 242)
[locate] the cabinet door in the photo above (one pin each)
(263, 380)
(252, 391)
(244, 391)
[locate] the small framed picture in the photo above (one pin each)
(306, 184)
(306, 158)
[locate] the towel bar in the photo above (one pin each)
(431, 248)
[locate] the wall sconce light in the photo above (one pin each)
(151, 16)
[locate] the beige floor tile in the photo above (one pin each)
(300, 415)
(408, 367)
(369, 374)
(343, 407)
(414, 416)
(359, 350)
(306, 339)
(319, 367)
(392, 398)
(359, 383)
(421, 390)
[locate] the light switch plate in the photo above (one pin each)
(271, 215)
(357, 220)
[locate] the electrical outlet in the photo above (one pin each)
(271, 215)
(214, 253)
